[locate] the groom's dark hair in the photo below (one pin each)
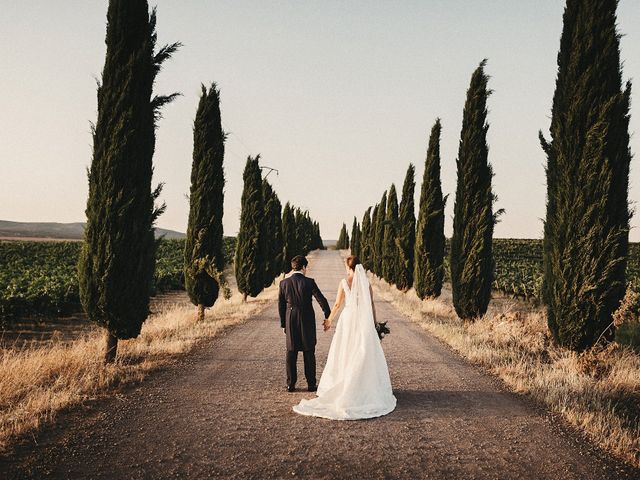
(299, 262)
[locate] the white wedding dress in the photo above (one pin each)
(355, 382)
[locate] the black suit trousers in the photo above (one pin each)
(309, 367)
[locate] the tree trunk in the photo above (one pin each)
(244, 298)
(112, 348)
(200, 313)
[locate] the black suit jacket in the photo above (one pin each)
(296, 312)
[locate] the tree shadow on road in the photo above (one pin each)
(457, 403)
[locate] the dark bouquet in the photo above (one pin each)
(382, 329)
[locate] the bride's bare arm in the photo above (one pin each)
(336, 308)
(373, 305)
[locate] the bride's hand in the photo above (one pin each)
(326, 324)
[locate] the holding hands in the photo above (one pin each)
(326, 324)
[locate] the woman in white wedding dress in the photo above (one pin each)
(355, 382)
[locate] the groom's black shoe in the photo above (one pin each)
(291, 388)
(312, 388)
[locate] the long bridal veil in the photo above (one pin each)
(355, 383)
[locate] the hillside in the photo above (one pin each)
(70, 231)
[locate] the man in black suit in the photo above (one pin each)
(298, 321)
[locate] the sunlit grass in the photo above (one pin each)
(38, 380)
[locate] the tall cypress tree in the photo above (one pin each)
(379, 234)
(365, 240)
(390, 238)
(272, 228)
(250, 248)
(288, 237)
(317, 238)
(299, 231)
(471, 261)
(587, 220)
(308, 232)
(347, 240)
(204, 250)
(340, 241)
(355, 239)
(117, 261)
(343, 238)
(406, 232)
(430, 239)
(373, 238)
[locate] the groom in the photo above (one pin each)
(298, 321)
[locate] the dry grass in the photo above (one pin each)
(38, 381)
(598, 391)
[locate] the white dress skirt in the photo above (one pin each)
(355, 382)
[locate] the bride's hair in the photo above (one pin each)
(352, 261)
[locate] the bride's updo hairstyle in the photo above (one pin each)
(352, 261)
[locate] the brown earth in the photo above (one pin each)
(222, 412)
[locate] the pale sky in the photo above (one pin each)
(338, 96)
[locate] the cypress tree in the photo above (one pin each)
(288, 237)
(117, 261)
(587, 219)
(204, 252)
(250, 249)
(317, 238)
(343, 238)
(272, 228)
(406, 232)
(379, 234)
(355, 239)
(430, 239)
(300, 237)
(308, 232)
(390, 238)
(365, 241)
(347, 240)
(373, 238)
(471, 260)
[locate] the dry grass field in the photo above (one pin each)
(41, 379)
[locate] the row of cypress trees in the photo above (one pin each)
(585, 230)
(385, 239)
(269, 237)
(411, 254)
(300, 235)
(117, 261)
(586, 227)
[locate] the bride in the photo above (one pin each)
(355, 382)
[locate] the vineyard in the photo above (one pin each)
(518, 269)
(40, 278)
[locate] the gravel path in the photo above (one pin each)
(222, 412)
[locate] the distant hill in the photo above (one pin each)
(69, 231)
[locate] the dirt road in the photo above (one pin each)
(222, 412)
